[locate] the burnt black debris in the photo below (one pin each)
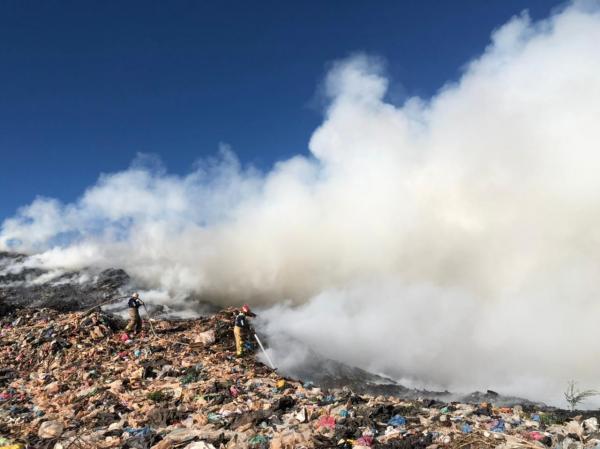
(25, 286)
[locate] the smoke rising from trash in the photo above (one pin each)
(452, 241)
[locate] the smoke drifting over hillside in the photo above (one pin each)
(454, 240)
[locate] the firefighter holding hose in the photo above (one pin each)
(241, 327)
(135, 321)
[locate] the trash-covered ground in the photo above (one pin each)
(71, 380)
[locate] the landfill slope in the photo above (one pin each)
(75, 380)
(23, 284)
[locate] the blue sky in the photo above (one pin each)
(86, 85)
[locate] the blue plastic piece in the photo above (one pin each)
(396, 421)
(499, 426)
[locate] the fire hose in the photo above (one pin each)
(149, 319)
(265, 352)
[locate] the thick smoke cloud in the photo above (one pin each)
(452, 241)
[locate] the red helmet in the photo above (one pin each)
(245, 308)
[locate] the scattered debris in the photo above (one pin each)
(74, 381)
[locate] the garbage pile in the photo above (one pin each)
(71, 380)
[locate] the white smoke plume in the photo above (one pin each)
(454, 240)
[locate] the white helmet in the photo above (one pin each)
(136, 295)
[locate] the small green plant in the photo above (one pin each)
(192, 375)
(157, 396)
(574, 396)
(548, 419)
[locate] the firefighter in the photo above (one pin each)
(241, 327)
(135, 321)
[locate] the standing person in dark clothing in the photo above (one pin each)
(135, 321)
(241, 326)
